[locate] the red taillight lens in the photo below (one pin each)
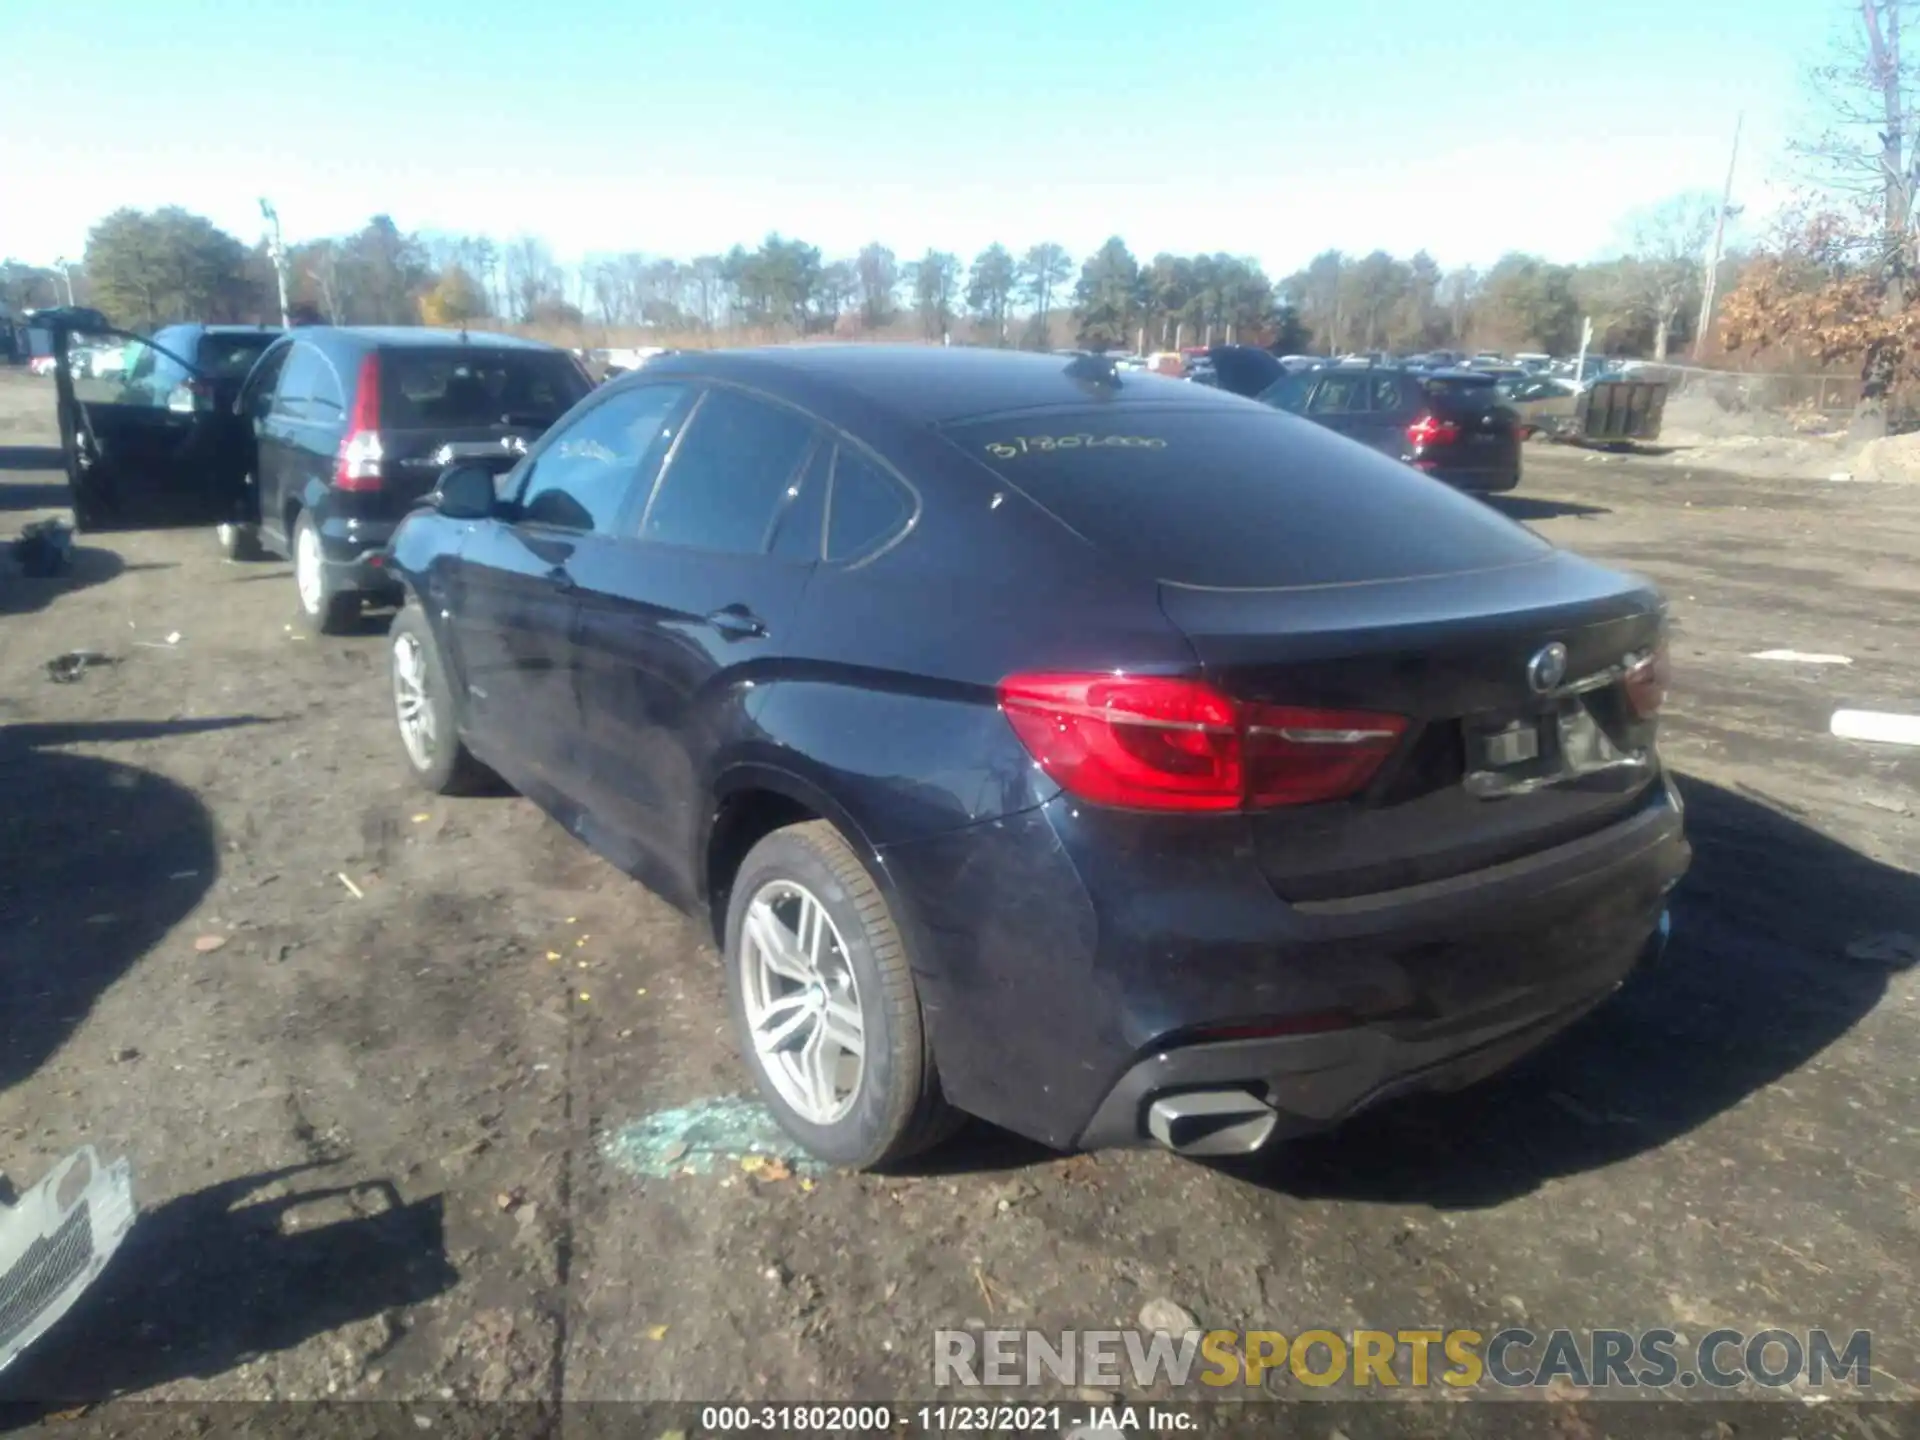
(1299, 757)
(1431, 430)
(1646, 682)
(1153, 743)
(358, 467)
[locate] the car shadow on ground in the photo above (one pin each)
(1527, 507)
(98, 861)
(204, 1283)
(1756, 983)
(86, 565)
(47, 494)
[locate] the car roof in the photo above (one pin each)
(397, 337)
(930, 384)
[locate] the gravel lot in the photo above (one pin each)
(367, 1049)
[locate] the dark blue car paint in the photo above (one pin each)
(1055, 943)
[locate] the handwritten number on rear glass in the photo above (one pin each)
(1045, 444)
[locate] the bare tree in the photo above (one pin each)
(1868, 153)
(1666, 251)
(533, 277)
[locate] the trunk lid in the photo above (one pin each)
(1493, 766)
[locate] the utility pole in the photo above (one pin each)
(1712, 279)
(278, 252)
(66, 277)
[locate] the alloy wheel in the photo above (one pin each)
(412, 706)
(802, 1002)
(308, 575)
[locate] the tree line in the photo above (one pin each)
(147, 268)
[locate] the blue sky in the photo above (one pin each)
(1273, 129)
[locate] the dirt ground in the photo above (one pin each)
(368, 1051)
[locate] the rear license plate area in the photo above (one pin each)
(1504, 747)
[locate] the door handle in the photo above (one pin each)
(736, 622)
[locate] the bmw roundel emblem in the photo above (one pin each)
(1547, 668)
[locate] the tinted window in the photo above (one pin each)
(1339, 395)
(797, 527)
(303, 374)
(439, 389)
(1242, 496)
(228, 357)
(729, 475)
(1383, 397)
(1462, 392)
(867, 507)
(258, 393)
(326, 402)
(583, 474)
(1288, 393)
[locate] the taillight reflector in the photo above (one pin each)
(1157, 743)
(1432, 430)
(358, 467)
(1647, 681)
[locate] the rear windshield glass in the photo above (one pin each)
(1241, 497)
(434, 389)
(1472, 390)
(230, 357)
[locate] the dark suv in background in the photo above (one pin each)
(351, 425)
(200, 367)
(1453, 424)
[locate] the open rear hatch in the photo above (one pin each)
(1527, 692)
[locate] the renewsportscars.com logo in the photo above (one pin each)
(1512, 1359)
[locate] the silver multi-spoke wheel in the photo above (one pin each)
(802, 1002)
(308, 572)
(411, 704)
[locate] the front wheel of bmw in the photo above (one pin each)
(825, 1005)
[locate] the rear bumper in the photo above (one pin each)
(1073, 964)
(1314, 1082)
(356, 554)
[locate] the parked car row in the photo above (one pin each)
(1120, 760)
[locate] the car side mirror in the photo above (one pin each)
(464, 492)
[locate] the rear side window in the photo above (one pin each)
(1340, 395)
(1242, 497)
(729, 475)
(866, 509)
(475, 386)
(230, 357)
(305, 373)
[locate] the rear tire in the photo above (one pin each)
(325, 609)
(858, 966)
(425, 713)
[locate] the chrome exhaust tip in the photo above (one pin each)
(1211, 1122)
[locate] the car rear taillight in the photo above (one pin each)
(1432, 430)
(1646, 682)
(1155, 743)
(360, 454)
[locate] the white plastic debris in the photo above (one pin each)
(1802, 657)
(55, 1241)
(1880, 725)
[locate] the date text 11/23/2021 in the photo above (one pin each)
(1086, 1422)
